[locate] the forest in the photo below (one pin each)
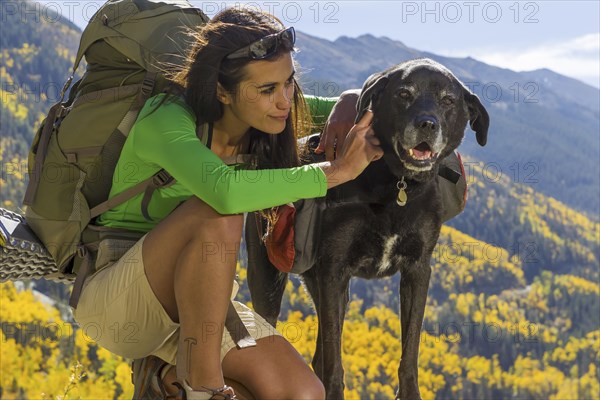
(524, 344)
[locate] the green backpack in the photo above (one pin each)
(127, 45)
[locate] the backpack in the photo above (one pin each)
(127, 45)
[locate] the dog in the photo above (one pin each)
(393, 218)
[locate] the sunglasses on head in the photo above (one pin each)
(266, 46)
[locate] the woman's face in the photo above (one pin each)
(264, 97)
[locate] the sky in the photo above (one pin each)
(563, 36)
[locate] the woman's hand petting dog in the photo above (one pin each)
(338, 124)
(361, 147)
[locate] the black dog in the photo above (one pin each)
(420, 114)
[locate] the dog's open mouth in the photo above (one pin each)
(419, 158)
(421, 152)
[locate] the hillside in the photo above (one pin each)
(515, 344)
(37, 51)
(543, 231)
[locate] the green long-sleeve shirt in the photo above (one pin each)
(165, 137)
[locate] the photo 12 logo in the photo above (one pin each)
(290, 12)
(470, 11)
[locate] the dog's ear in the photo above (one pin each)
(478, 116)
(371, 89)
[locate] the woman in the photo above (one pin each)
(168, 296)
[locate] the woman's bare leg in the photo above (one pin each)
(241, 391)
(273, 370)
(190, 260)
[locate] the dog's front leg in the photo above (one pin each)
(331, 309)
(311, 281)
(414, 283)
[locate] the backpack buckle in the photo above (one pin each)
(61, 113)
(161, 178)
(147, 86)
(81, 251)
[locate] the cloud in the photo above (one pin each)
(577, 57)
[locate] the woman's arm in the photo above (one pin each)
(167, 138)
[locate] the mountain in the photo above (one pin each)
(545, 127)
(37, 53)
(37, 50)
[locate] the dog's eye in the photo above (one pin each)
(447, 100)
(404, 94)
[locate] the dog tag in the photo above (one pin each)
(402, 196)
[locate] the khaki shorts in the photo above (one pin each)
(119, 311)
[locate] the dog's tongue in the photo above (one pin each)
(421, 153)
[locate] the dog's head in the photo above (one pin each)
(420, 113)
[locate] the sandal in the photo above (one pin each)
(147, 377)
(187, 393)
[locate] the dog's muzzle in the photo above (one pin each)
(421, 143)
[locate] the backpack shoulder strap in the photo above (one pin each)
(205, 134)
(40, 155)
(161, 179)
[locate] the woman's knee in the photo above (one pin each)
(307, 387)
(267, 379)
(200, 218)
(310, 388)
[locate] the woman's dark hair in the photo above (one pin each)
(230, 30)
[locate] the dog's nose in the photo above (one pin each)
(427, 122)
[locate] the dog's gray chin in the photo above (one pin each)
(413, 164)
(415, 168)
